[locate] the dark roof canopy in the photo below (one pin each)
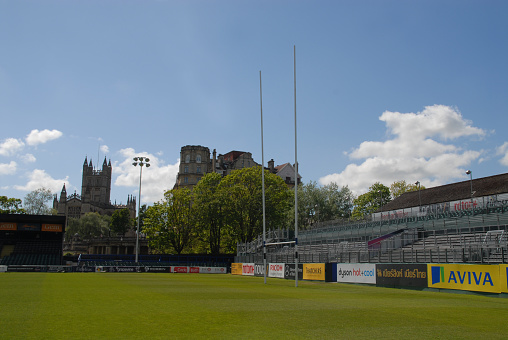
(486, 186)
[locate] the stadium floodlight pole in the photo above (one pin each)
(263, 178)
(470, 173)
(141, 161)
(296, 175)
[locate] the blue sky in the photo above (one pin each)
(386, 90)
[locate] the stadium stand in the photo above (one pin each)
(31, 240)
(448, 224)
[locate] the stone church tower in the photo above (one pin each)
(96, 184)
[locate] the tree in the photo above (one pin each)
(89, 226)
(209, 212)
(169, 224)
(400, 187)
(319, 204)
(10, 205)
(35, 202)
(241, 192)
(121, 221)
(377, 196)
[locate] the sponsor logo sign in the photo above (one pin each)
(29, 226)
(276, 270)
(3, 269)
(8, 226)
(503, 276)
(248, 269)
(193, 269)
(480, 278)
(356, 273)
(404, 275)
(212, 270)
(158, 269)
(57, 228)
(259, 270)
(314, 271)
(289, 271)
(180, 269)
(236, 268)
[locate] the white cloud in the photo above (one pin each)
(28, 158)
(157, 179)
(10, 146)
(36, 137)
(415, 152)
(8, 169)
(503, 151)
(39, 178)
(104, 149)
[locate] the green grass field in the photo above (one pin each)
(190, 306)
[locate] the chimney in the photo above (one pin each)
(271, 165)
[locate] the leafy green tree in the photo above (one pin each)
(169, 224)
(90, 225)
(11, 205)
(208, 206)
(377, 196)
(319, 204)
(400, 187)
(121, 221)
(35, 202)
(241, 192)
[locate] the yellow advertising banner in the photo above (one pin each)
(503, 276)
(236, 268)
(52, 227)
(8, 226)
(479, 278)
(314, 271)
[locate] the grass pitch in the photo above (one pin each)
(190, 306)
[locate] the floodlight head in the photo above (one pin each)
(135, 158)
(147, 159)
(468, 172)
(134, 163)
(147, 165)
(417, 183)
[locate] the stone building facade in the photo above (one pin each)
(197, 161)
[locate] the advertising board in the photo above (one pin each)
(503, 277)
(480, 278)
(356, 273)
(276, 270)
(314, 271)
(289, 271)
(8, 226)
(259, 270)
(213, 270)
(401, 275)
(248, 269)
(29, 226)
(236, 268)
(55, 228)
(157, 269)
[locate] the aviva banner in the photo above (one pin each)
(480, 278)
(503, 275)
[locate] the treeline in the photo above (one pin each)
(221, 211)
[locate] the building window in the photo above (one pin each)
(198, 159)
(186, 180)
(186, 170)
(187, 158)
(198, 169)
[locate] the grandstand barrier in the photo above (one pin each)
(439, 277)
